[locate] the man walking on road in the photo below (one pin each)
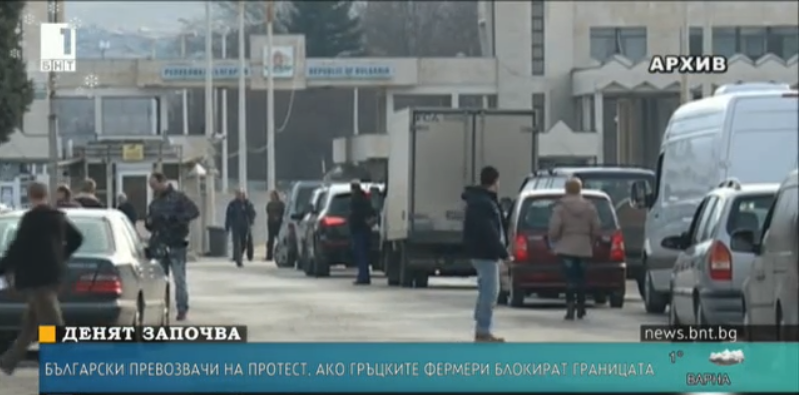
(168, 219)
(362, 217)
(87, 198)
(239, 218)
(275, 210)
(485, 243)
(35, 264)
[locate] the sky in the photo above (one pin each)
(125, 15)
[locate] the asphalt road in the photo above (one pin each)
(283, 305)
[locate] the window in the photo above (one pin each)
(749, 213)
(710, 219)
(630, 42)
(696, 41)
(755, 42)
(537, 37)
(97, 237)
(303, 198)
(697, 219)
(535, 213)
(538, 106)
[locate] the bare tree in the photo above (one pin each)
(421, 28)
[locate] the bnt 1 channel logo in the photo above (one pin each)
(58, 45)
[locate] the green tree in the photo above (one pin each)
(330, 27)
(16, 90)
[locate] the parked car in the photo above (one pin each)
(707, 279)
(286, 245)
(616, 182)
(770, 291)
(707, 142)
(327, 239)
(534, 269)
(111, 280)
(305, 220)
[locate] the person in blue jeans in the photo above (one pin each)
(168, 217)
(485, 244)
(360, 220)
(573, 230)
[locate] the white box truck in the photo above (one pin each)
(433, 155)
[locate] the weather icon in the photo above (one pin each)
(726, 358)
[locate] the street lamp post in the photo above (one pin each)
(242, 101)
(271, 181)
(686, 94)
(209, 118)
(224, 30)
(52, 120)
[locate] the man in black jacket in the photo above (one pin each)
(64, 198)
(362, 217)
(239, 218)
(127, 208)
(485, 244)
(168, 219)
(35, 264)
(88, 198)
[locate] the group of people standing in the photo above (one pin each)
(573, 229)
(240, 216)
(35, 262)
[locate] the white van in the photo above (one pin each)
(746, 132)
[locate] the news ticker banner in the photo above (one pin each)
(49, 334)
(416, 367)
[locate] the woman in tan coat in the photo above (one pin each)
(574, 228)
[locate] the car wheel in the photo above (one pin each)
(502, 298)
(616, 299)
(322, 267)
(516, 297)
(166, 310)
(391, 267)
(600, 299)
(674, 321)
(699, 313)
(654, 302)
(138, 317)
(640, 285)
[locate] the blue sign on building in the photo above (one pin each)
(354, 72)
(185, 72)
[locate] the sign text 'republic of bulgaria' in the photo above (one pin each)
(58, 45)
(349, 71)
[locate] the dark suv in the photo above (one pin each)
(327, 236)
(616, 183)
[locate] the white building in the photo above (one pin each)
(585, 63)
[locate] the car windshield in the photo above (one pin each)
(536, 211)
(749, 212)
(340, 204)
(616, 185)
(97, 238)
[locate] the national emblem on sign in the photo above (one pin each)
(91, 81)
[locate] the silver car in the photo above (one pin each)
(707, 277)
(770, 292)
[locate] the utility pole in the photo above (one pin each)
(686, 94)
(52, 119)
(224, 32)
(209, 130)
(242, 102)
(271, 181)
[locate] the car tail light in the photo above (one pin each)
(521, 248)
(617, 253)
(106, 284)
(331, 221)
(720, 265)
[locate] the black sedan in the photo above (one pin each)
(110, 281)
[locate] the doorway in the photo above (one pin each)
(134, 184)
